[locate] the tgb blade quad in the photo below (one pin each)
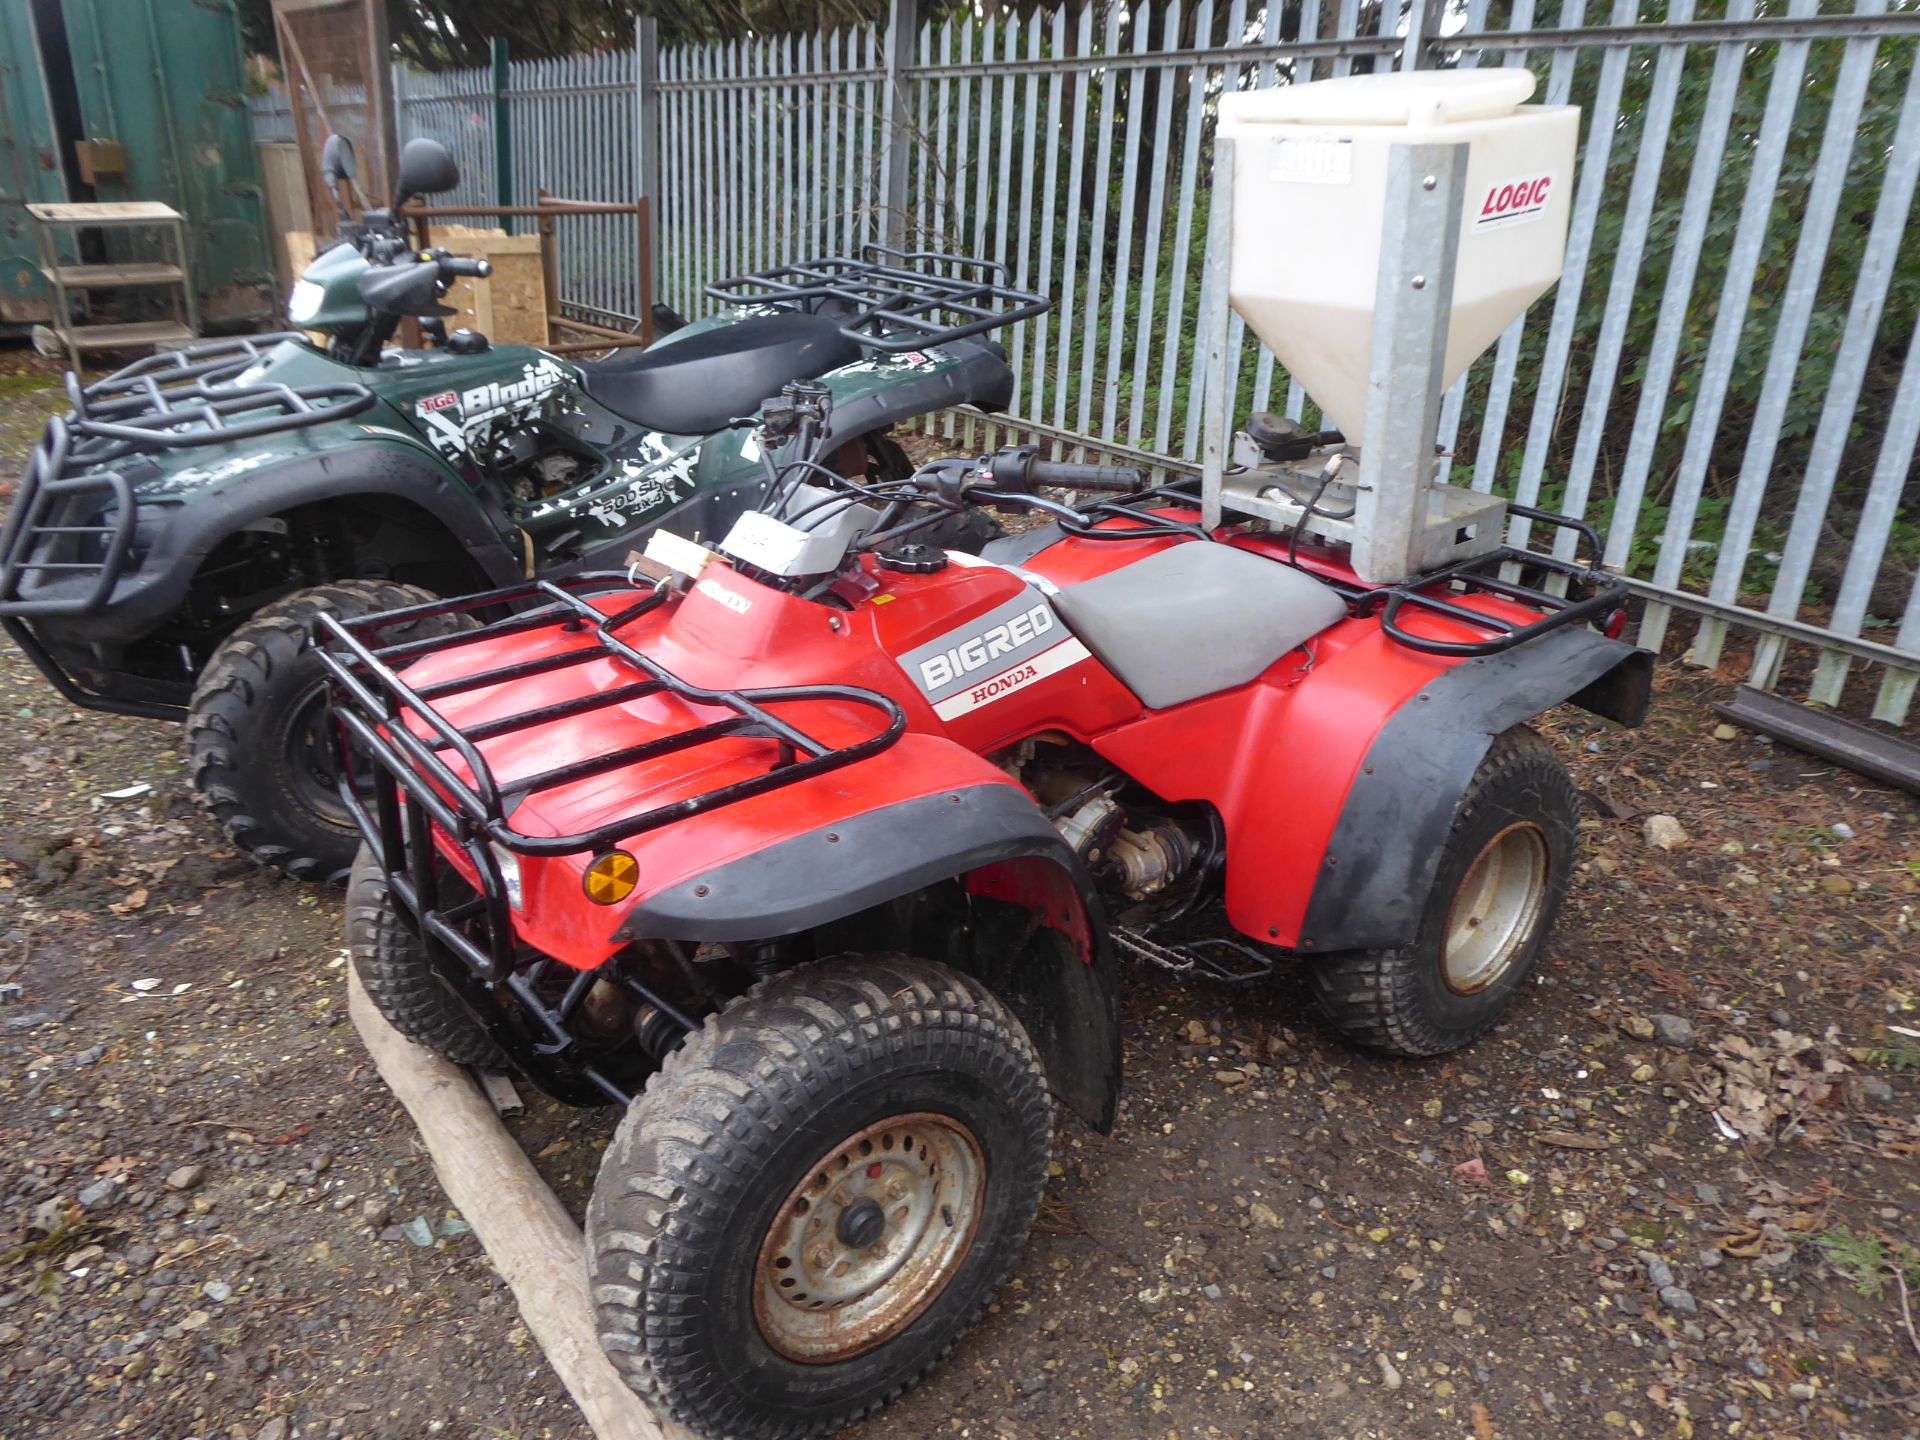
(176, 533)
(813, 850)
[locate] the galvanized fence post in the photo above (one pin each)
(1422, 48)
(1216, 405)
(646, 131)
(896, 137)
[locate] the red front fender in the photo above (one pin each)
(769, 865)
(1031, 930)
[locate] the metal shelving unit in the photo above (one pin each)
(51, 221)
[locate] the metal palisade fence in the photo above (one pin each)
(1726, 381)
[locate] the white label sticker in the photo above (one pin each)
(678, 553)
(1514, 202)
(1015, 677)
(1310, 162)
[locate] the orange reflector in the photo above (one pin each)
(612, 877)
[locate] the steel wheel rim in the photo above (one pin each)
(311, 747)
(820, 1295)
(1496, 909)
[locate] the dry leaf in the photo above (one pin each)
(1762, 1091)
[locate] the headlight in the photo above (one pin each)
(303, 301)
(509, 873)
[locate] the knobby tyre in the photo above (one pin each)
(395, 973)
(259, 740)
(739, 1269)
(1501, 880)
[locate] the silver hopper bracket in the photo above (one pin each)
(1378, 233)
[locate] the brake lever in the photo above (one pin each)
(949, 482)
(1008, 503)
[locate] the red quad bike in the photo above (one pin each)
(805, 852)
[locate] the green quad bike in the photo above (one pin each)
(175, 535)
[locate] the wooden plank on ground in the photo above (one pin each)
(528, 1234)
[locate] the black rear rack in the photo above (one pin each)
(373, 703)
(893, 300)
(73, 518)
(1593, 593)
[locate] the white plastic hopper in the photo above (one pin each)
(1310, 185)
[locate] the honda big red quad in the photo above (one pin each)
(813, 852)
(176, 533)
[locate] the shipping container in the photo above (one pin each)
(117, 100)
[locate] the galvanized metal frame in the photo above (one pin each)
(1082, 161)
(1426, 190)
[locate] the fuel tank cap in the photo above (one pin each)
(913, 559)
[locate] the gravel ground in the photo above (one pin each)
(1675, 1194)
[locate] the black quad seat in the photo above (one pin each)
(694, 386)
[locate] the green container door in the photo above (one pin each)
(163, 79)
(29, 164)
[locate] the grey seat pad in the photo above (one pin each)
(1196, 619)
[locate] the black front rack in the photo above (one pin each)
(1592, 592)
(61, 526)
(74, 517)
(190, 397)
(893, 300)
(374, 704)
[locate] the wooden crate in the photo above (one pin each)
(510, 306)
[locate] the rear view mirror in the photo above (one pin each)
(336, 161)
(426, 168)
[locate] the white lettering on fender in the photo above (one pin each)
(739, 604)
(974, 652)
(493, 395)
